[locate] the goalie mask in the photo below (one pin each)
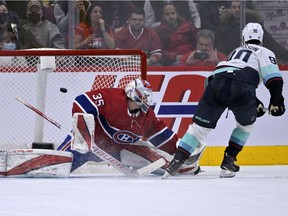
(252, 31)
(139, 92)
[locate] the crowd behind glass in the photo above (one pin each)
(177, 33)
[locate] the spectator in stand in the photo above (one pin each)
(62, 15)
(39, 32)
(9, 21)
(17, 7)
(8, 41)
(205, 54)
(94, 33)
(118, 13)
(136, 36)
(177, 35)
(210, 12)
(48, 10)
(227, 35)
(186, 8)
(47, 7)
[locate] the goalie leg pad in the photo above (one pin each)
(83, 132)
(80, 159)
(38, 163)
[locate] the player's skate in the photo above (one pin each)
(229, 168)
(189, 166)
(173, 167)
(191, 169)
(177, 166)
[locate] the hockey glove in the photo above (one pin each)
(277, 109)
(276, 106)
(260, 108)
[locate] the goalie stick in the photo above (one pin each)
(118, 165)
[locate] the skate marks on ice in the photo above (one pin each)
(250, 172)
(208, 172)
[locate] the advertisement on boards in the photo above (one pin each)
(177, 93)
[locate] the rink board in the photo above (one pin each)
(250, 155)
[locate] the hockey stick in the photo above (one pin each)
(124, 169)
(118, 165)
(39, 112)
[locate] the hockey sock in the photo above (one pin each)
(237, 141)
(189, 142)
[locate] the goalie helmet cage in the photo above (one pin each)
(41, 77)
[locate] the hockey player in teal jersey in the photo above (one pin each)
(233, 85)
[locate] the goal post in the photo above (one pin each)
(50, 80)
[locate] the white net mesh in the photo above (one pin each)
(38, 81)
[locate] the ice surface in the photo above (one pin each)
(255, 191)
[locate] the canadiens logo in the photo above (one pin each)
(125, 137)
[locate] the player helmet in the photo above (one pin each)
(252, 31)
(139, 91)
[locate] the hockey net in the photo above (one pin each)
(41, 77)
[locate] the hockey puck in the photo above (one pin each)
(64, 90)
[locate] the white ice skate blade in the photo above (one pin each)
(227, 174)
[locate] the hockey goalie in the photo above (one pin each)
(121, 123)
